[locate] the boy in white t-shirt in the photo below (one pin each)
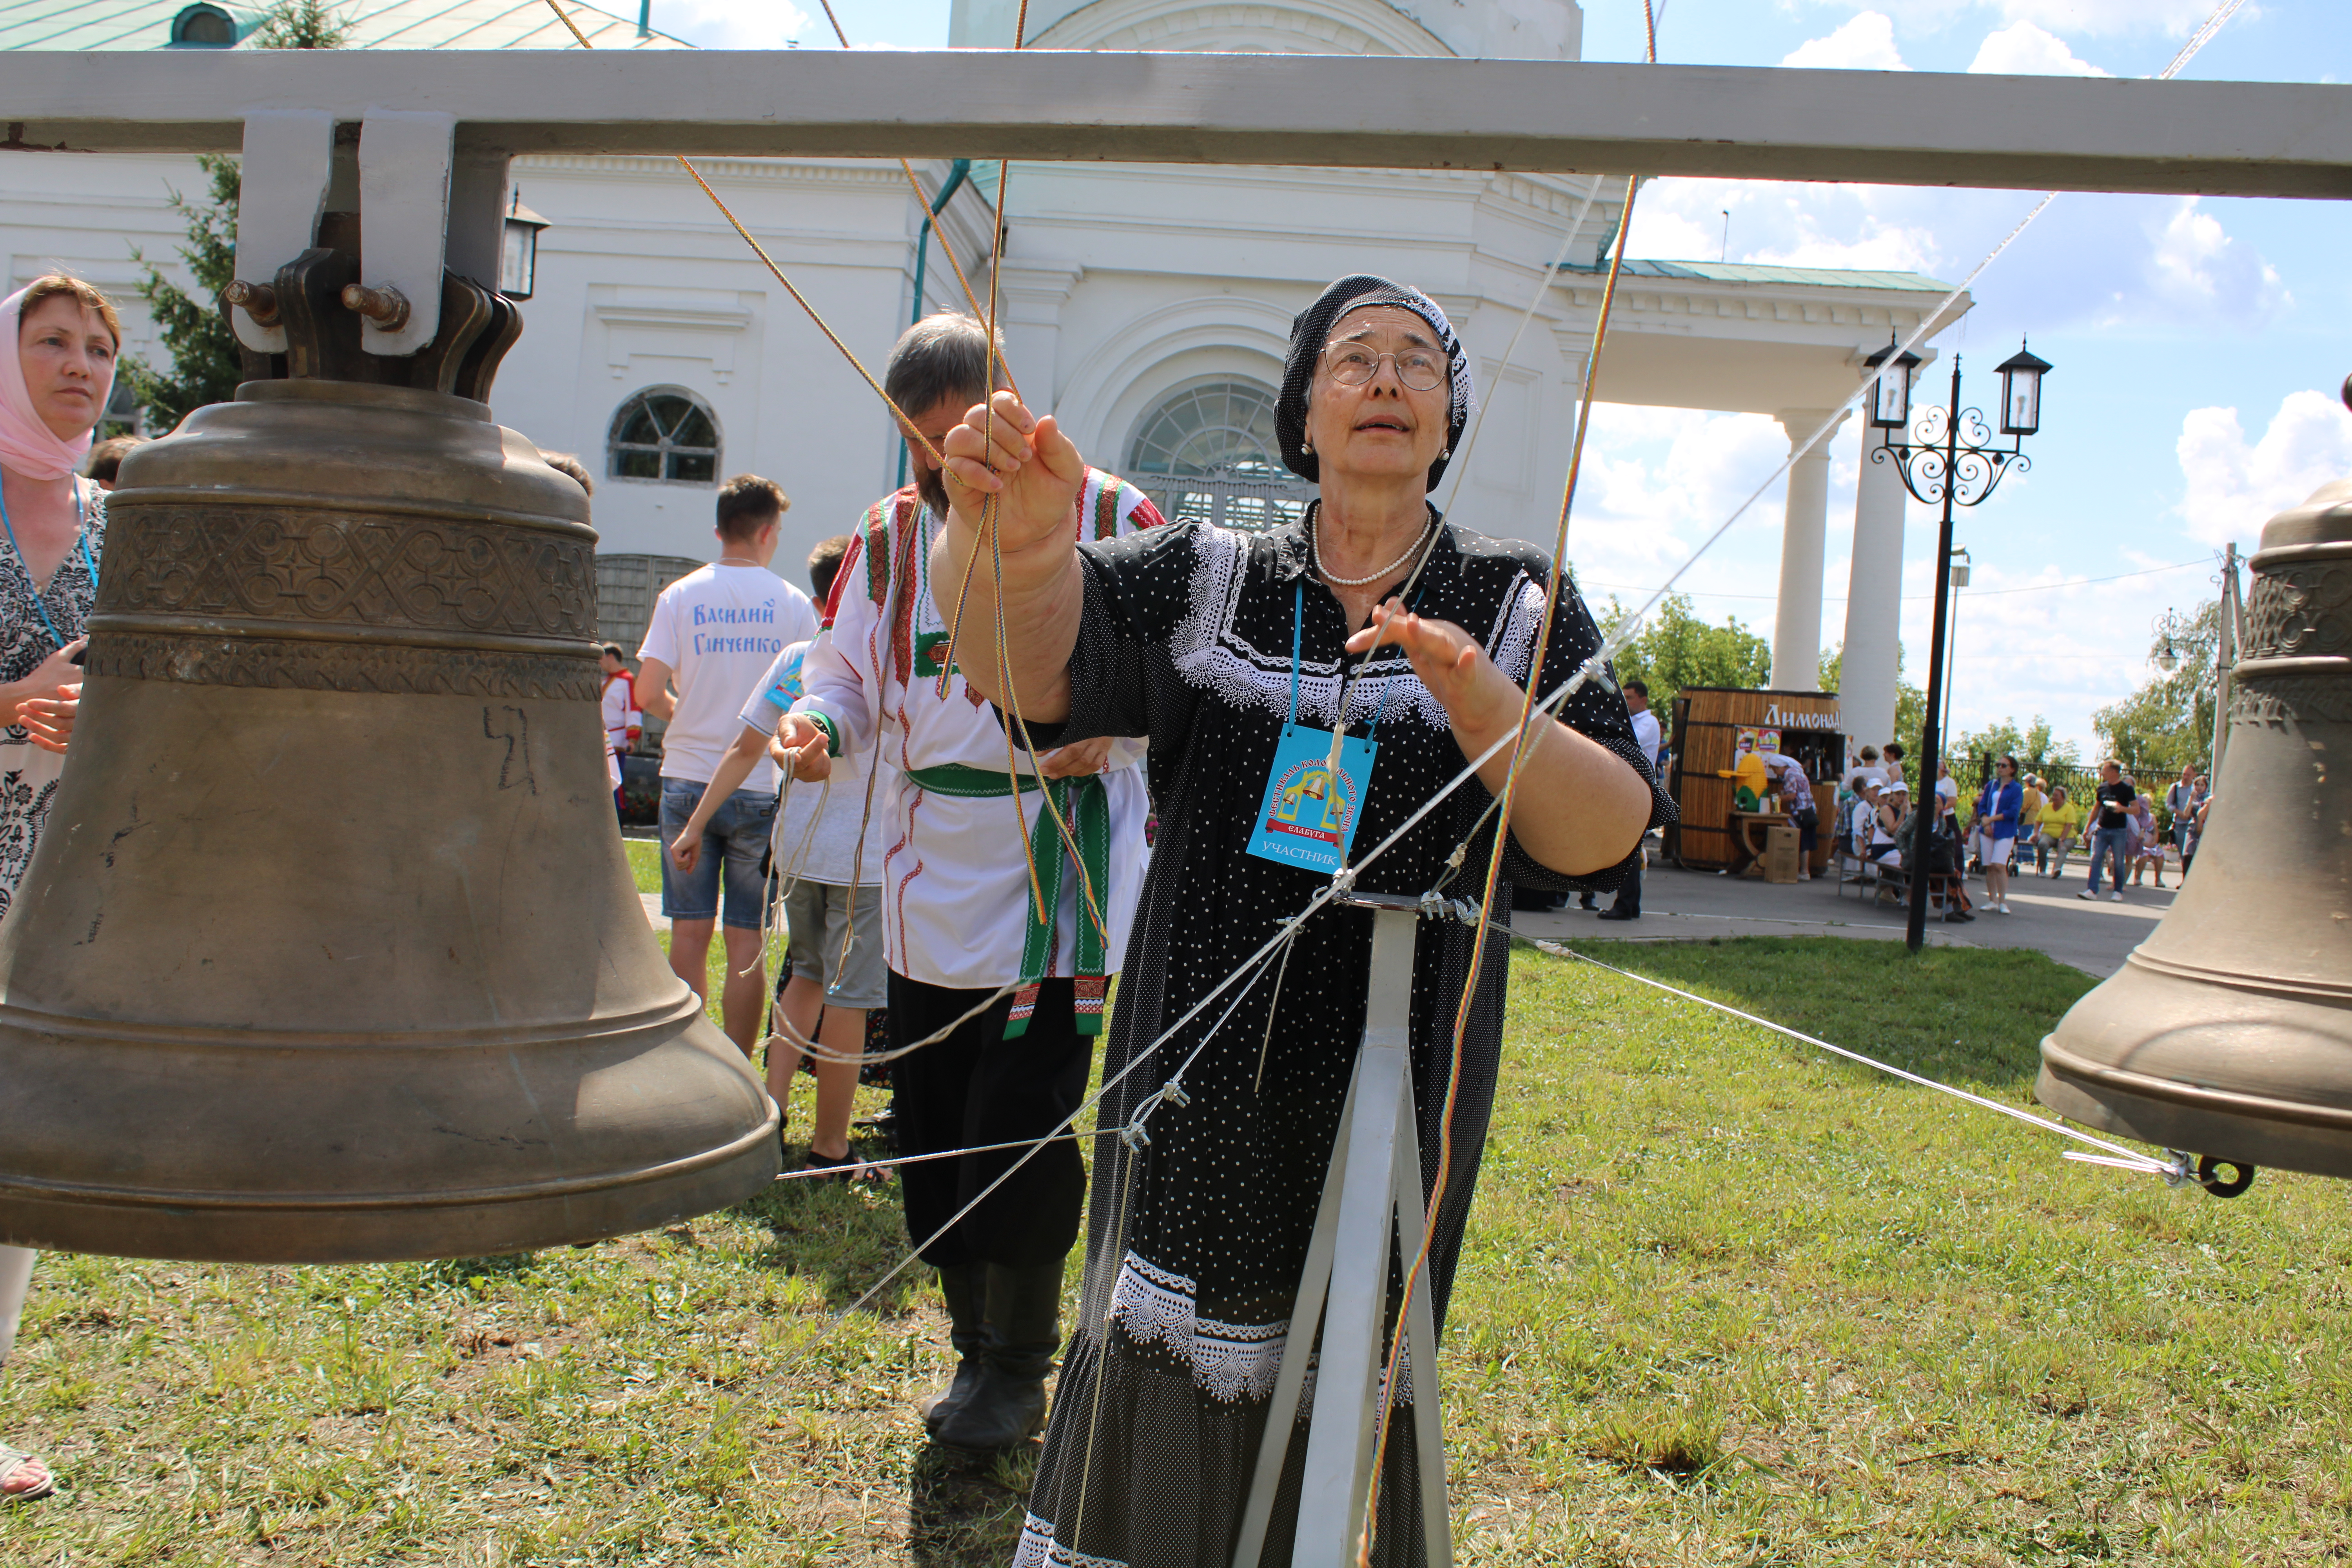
(713, 636)
(833, 898)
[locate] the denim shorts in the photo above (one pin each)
(735, 841)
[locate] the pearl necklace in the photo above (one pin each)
(1336, 581)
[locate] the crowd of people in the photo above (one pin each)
(2017, 824)
(975, 870)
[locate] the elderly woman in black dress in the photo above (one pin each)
(1233, 652)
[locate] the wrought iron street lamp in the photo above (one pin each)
(2172, 628)
(1953, 459)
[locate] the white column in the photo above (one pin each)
(1874, 607)
(1797, 627)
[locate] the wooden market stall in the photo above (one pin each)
(1705, 734)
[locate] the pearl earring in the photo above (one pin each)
(1307, 447)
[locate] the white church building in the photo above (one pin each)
(1148, 306)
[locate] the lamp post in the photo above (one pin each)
(1953, 461)
(1961, 564)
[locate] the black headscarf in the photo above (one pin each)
(1313, 328)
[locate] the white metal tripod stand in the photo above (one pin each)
(1371, 1212)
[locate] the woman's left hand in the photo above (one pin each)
(1476, 695)
(49, 720)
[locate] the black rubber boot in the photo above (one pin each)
(1007, 1406)
(965, 1287)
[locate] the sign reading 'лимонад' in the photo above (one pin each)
(1777, 720)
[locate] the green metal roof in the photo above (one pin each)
(1756, 272)
(376, 24)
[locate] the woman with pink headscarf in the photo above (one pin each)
(52, 528)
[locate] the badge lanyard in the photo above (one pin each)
(81, 538)
(1307, 815)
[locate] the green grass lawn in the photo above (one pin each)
(1723, 1302)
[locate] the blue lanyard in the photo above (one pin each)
(81, 538)
(1297, 623)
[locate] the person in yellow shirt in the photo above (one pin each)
(1748, 777)
(2061, 823)
(1747, 773)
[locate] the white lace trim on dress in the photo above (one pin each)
(1038, 1549)
(1230, 1361)
(1210, 655)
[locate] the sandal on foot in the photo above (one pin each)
(848, 1168)
(13, 1463)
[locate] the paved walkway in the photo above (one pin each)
(1686, 906)
(1678, 905)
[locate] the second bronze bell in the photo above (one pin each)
(2228, 1031)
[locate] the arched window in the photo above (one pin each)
(204, 27)
(1207, 453)
(664, 433)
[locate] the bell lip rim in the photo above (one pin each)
(245, 498)
(283, 1203)
(2065, 1065)
(2321, 550)
(677, 1015)
(2284, 989)
(327, 389)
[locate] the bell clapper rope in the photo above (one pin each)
(1524, 747)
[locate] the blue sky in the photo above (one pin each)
(2198, 342)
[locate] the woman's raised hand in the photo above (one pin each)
(1450, 662)
(1002, 449)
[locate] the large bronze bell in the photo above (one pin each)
(2228, 1032)
(330, 952)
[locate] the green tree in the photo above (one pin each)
(2168, 722)
(1675, 650)
(205, 367)
(1910, 701)
(301, 24)
(2034, 747)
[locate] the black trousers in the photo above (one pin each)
(1629, 893)
(976, 1087)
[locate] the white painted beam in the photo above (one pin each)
(289, 161)
(2250, 139)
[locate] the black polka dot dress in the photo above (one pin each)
(1196, 1240)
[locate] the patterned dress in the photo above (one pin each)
(28, 775)
(1196, 1242)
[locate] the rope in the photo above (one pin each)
(1543, 286)
(2129, 1159)
(922, 197)
(1525, 740)
(777, 272)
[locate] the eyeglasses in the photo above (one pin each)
(1352, 364)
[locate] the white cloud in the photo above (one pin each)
(2174, 18)
(1865, 42)
(1794, 225)
(2022, 48)
(2195, 266)
(2234, 487)
(736, 24)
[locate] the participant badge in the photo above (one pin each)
(1307, 816)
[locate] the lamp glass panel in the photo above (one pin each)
(517, 260)
(2020, 402)
(1891, 400)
